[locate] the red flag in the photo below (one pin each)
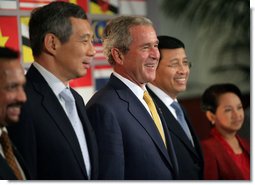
(9, 32)
(83, 81)
(31, 4)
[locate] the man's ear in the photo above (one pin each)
(210, 116)
(51, 43)
(117, 55)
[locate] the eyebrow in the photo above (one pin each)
(87, 35)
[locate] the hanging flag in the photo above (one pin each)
(101, 75)
(84, 85)
(99, 56)
(98, 27)
(133, 7)
(83, 81)
(109, 7)
(9, 32)
(8, 4)
(31, 4)
(26, 48)
(81, 3)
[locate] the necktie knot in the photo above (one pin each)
(177, 108)
(181, 120)
(9, 155)
(147, 98)
(67, 95)
(5, 141)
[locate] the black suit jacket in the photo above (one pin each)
(130, 147)
(6, 172)
(189, 158)
(46, 138)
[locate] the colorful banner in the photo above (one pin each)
(99, 56)
(98, 27)
(31, 4)
(83, 81)
(102, 75)
(84, 85)
(8, 4)
(133, 7)
(109, 7)
(26, 49)
(9, 32)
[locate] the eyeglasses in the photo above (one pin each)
(176, 65)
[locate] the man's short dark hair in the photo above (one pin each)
(167, 42)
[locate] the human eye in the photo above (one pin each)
(145, 47)
(173, 64)
(185, 63)
(227, 110)
(240, 107)
(11, 87)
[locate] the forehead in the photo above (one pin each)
(81, 26)
(141, 32)
(10, 68)
(228, 97)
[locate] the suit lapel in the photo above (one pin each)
(138, 111)
(6, 172)
(57, 113)
(89, 133)
(173, 125)
(22, 163)
(170, 146)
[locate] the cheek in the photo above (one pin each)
(224, 119)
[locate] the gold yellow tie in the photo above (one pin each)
(154, 114)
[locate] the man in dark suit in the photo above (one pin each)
(130, 144)
(171, 79)
(52, 143)
(12, 96)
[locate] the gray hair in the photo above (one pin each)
(116, 34)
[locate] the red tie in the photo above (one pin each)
(9, 156)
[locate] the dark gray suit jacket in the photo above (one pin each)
(130, 147)
(190, 159)
(46, 138)
(6, 172)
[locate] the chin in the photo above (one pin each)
(13, 121)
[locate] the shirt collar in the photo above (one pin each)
(166, 99)
(137, 90)
(55, 84)
(3, 129)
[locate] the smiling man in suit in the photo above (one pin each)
(131, 146)
(171, 79)
(12, 97)
(56, 143)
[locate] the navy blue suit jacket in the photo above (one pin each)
(46, 138)
(130, 146)
(190, 159)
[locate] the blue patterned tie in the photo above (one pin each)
(77, 125)
(181, 120)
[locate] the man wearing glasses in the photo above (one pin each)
(171, 79)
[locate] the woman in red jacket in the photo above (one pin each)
(226, 155)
